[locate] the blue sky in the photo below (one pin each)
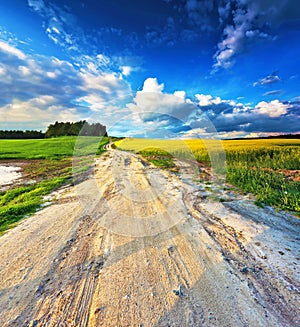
(160, 68)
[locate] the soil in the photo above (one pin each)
(133, 245)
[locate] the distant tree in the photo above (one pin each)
(19, 134)
(81, 127)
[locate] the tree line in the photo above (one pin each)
(82, 128)
(18, 134)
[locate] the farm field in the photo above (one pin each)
(267, 168)
(135, 245)
(46, 165)
(49, 148)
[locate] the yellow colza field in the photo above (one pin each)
(268, 168)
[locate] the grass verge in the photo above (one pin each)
(21, 201)
(49, 164)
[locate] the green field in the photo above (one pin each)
(49, 164)
(267, 168)
(52, 148)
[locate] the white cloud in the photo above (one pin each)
(206, 100)
(180, 94)
(152, 99)
(270, 79)
(108, 84)
(273, 92)
(202, 133)
(230, 46)
(37, 5)
(156, 113)
(45, 89)
(56, 30)
(245, 27)
(51, 74)
(151, 85)
(5, 47)
(60, 25)
(103, 60)
(126, 70)
(272, 109)
(94, 63)
(42, 110)
(24, 70)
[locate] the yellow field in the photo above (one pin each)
(268, 168)
(135, 144)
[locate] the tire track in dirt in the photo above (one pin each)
(136, 246)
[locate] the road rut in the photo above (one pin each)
(136, 246)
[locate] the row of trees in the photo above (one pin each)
(58, 129)
(16, 134)
(79, 128)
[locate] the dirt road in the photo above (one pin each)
(137, 246)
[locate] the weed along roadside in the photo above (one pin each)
(268, 169)
(45, 165)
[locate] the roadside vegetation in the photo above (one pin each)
(267, 168)
(47, 166)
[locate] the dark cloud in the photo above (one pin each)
(253, 123)
(228, 117)
(294, 107)
(174, 112)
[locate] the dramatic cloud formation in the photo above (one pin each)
(271, 109)
(35, 112)
(30, 92)
(162, 68)
(151, 104)
(265, 117)
(206, 116)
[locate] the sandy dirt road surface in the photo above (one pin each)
(136, 246)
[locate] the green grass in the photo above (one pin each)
(270, 187)
(160, 158)
(16, 203)
(52, 148)
(266, 168)
(50, 165)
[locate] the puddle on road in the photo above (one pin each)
(8, 174)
